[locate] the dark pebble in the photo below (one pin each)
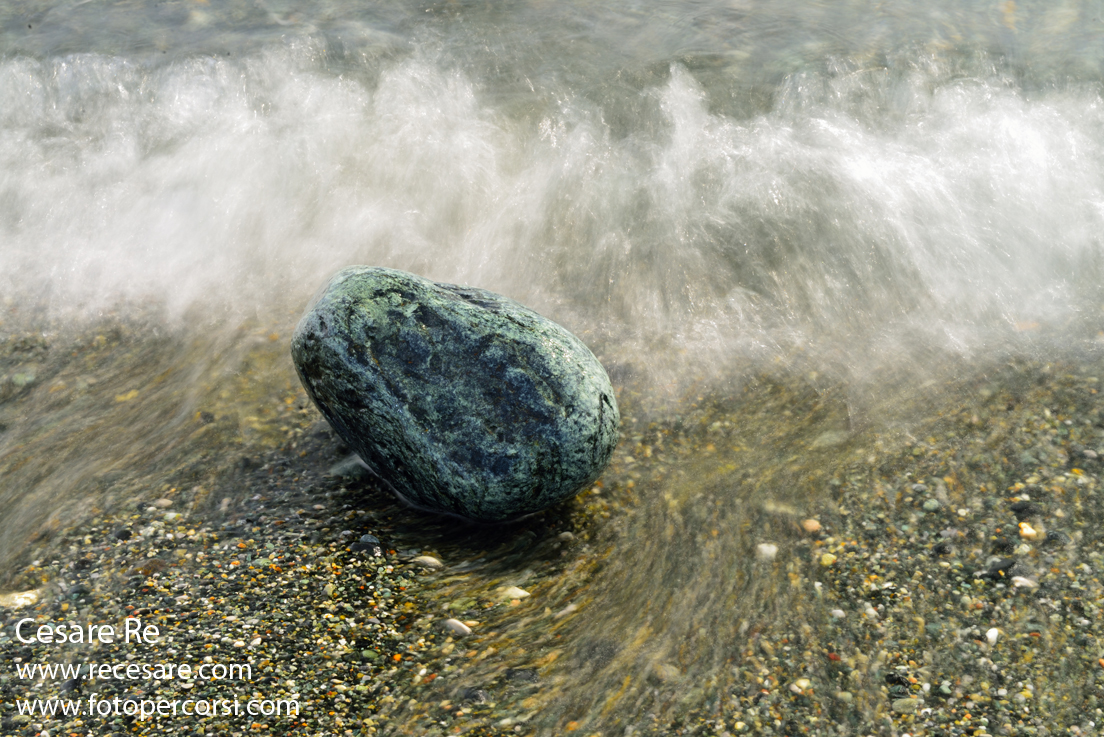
(1025, 510)
(523, 675)
(121, 534)
(1055, 539)
(998, 570)
(893, 678)
(474, 696)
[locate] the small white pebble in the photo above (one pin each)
(20, 598)
(512, 592)
(254, 642)
(1024, 583)
(239, 643)
(457, 627)
(766, 551)
(992, 634)
(428, 561)
(838, 613)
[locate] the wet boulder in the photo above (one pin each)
(464, 401)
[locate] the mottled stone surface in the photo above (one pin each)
(463, 400)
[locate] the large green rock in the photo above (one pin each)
(463, 400)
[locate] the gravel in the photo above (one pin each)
(768, 560)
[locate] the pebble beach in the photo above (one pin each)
(934, 575)
(840, 262)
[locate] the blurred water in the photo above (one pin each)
(697, 188)
(727, 179)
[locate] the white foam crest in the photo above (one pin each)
(981, 208)
(229, 183)
(863, 205)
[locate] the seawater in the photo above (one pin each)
(724, 179)
(700, 190)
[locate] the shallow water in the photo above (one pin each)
(869, 197)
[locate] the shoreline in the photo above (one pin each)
(641, 617)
